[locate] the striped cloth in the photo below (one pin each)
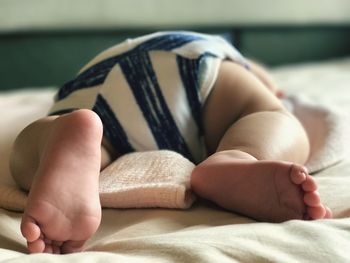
(149, 91)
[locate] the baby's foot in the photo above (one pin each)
(271, 191)
(63, 209)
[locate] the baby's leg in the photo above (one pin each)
(58, 160)
(260, 72)
(258, 147)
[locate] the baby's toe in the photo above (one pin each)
(72, 246)
(36, 246)
(309, 185)
(56, 249)
(298, 174)
(48, 246)
(329, 213)
(48, 249)
(312, 199)
(317, 212)
(30, 230)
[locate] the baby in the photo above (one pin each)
(187, 92)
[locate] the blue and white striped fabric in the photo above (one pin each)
(149, 91)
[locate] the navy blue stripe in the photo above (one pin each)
(96, 74)
(61, 112)
(189, 72)
(141, 77)
(112, 128)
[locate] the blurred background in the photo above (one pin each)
(45, 42)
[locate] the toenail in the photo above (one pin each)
(302, 173)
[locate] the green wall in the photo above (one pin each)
(51, 58)
(48, 59)
(276, 46)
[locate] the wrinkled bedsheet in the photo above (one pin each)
(203, 233)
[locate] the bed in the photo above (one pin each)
(203, 232)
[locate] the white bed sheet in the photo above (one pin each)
(203, 233)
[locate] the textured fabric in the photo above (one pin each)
(203, 233)
(147, 179)
(325, 127)
(149, 91)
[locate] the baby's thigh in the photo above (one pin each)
(237, 93)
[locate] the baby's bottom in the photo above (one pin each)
(258, 151)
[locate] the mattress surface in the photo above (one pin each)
(203, 233)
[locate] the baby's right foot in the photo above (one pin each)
(63, 209)
(272, 191)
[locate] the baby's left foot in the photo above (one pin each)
(272, 191)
